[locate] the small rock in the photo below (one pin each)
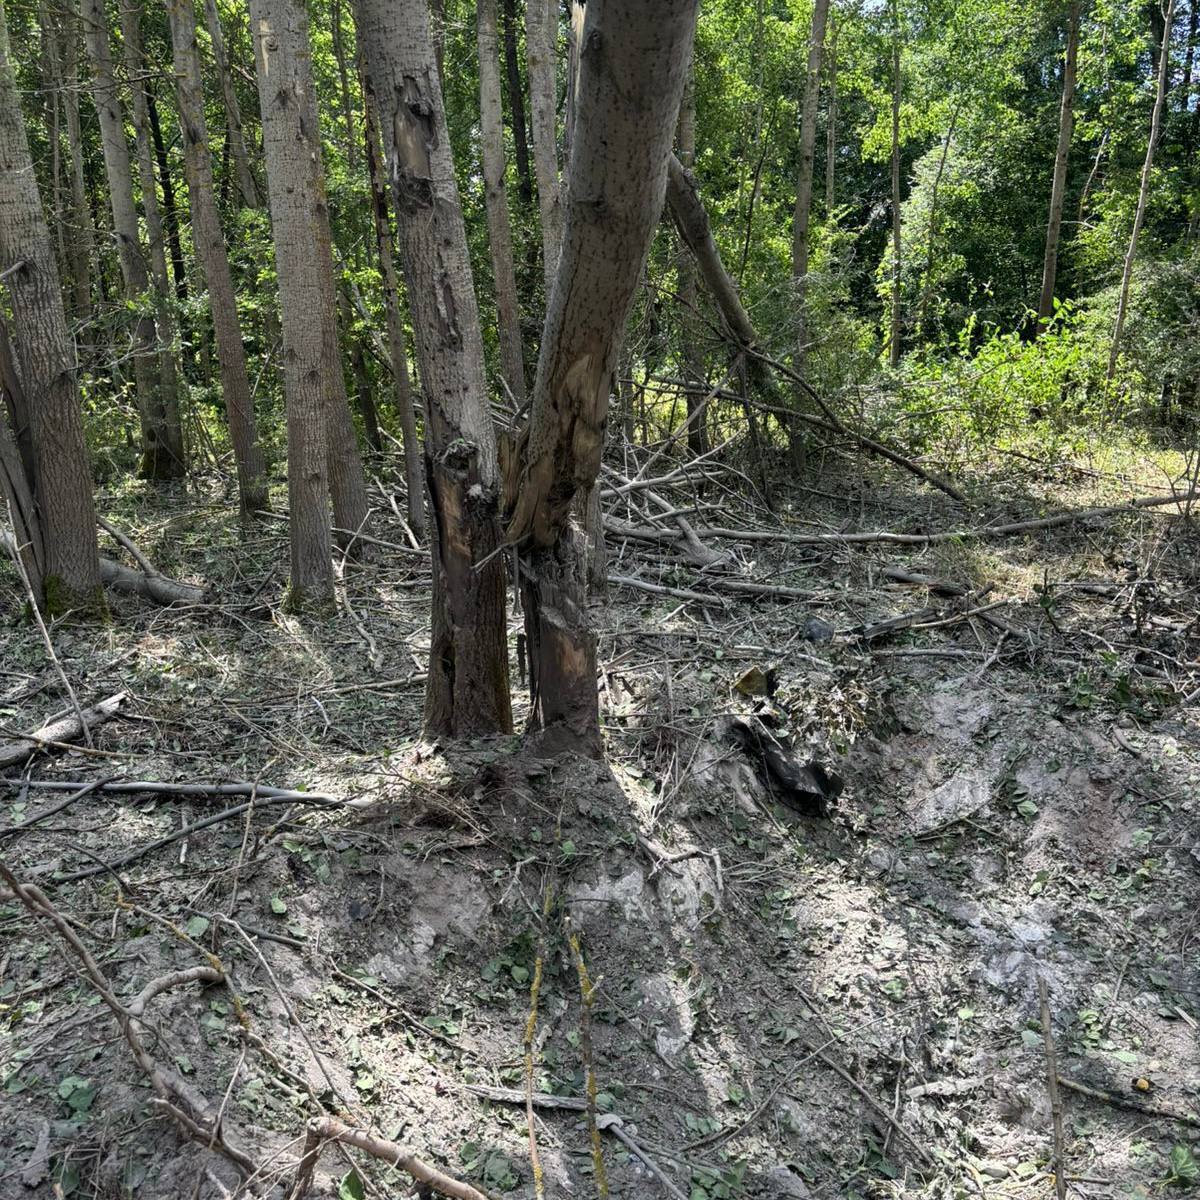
(782, 1182)
(993, 1170)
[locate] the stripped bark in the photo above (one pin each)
(634, 66)
(467, 689)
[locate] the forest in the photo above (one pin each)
(599, 598)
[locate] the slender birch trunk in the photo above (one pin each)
(236, 139)
(516, 101)
(541, 56)
(896, 322)
(831, 124)
(693, 362)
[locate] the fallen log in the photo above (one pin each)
(151, 586)
(65, 729)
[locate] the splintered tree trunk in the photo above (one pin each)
(156, 457)
(211, 255)
(1058, 189)
(804, 182)
(516, 101)
(896, 325)
(693, 363)
(634, 65)
(1139, 216)
(168, 374)
(496, 199)
(281, 56)
(467, 689)
(541, 55)
(233, 113)
(46, 360)
(414, 473)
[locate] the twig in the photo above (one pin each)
(1115, 1098)
(329, 1129)
(1060, 1182)
(87, 789)
(127, 786)
(587, 991)
(611, 1123)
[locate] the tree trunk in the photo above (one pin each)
(467, 689)
(414, 473)
(896, 324)
(931, 237)
(170, 208)
(209, 243)
(634, 67)
(541, 55)
(235, 139)
(18, 474)
(831, 125)
(496, 200)
(1139, 216)
(46, 362)
(168, 375)
(804, 182)
(82, 240)
(693, 360)
(1058, 189)
(516, 102)
(156, 458)
(282, 62)
(339, 55)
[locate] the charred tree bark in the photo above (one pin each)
(1139, 216)
(467, 689)
(541, 57)
(211, 255)
(233, 114)
(496, 200)
(1058, 188)
(157, 462)
(634, 67)
(414, 473)
(46, 364)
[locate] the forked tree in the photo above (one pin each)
(45, 359)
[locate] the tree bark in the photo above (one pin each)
(516, 102)
(1160, 96)
(634, 67)
(81, 243)
(541, 56)
(282, 62)
(46, 362)
(896, 323)
(164, 313)
(804, 182)
(213, 260)
(1058, 188)
(467, 688)
(156, 458)
(233, 114)
(496, 200)
(18, 476)
(414, 473)
(693, 361)
(831, 125)
(170, 208)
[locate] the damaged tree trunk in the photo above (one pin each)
(467, 689)
(634, 63)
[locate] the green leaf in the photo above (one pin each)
(350, 1187)
(197, 927)
(1183, 1164)
(278, 905)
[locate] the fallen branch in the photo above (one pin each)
(66, 729)
(87, 789)
(1056, 1112)
(261, 791)
(330, 1129)
(1120, 1101)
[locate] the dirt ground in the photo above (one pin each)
(780, 1004)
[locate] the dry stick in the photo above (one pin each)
(134, 786)
(1060, 1181)
(611, 1123)
(535, 987)
(123, 539)
(54, 809)
(329, 1129)
(183, 1104)
(587, 991)
(62, 731)
(1119, 1101)
(35, 609)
